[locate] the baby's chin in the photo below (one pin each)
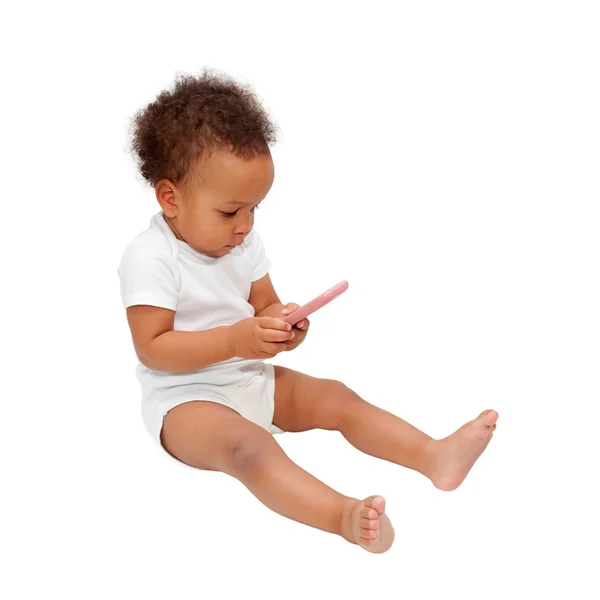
(219, 253)
(214, 253)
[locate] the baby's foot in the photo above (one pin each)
(365, 523)
(453, 456)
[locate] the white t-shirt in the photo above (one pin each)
(157, 269)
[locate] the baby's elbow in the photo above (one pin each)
(145, 358)
(146, 363)
(153, 358)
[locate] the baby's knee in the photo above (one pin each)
(250, 452)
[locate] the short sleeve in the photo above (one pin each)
(259, 261)
(147, 274)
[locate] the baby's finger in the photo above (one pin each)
(272, 335)
(273, 323)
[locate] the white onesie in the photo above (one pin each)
(157, 269)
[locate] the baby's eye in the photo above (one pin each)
(231, 214)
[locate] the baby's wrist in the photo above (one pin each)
(230, 335)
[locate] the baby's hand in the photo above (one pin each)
(259, 337)
(301, 327)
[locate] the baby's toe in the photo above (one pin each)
(368, 534)
(368, 512)
(489, 417)
(369, 523)
(376, 502)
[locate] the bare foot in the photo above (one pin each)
(453, 456)
(365, 523)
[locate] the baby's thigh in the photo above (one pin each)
(213, 437)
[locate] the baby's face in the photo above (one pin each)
(217, 213)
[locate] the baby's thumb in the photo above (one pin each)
(289, 307)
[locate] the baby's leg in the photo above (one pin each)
(446, 462)
(211, 436)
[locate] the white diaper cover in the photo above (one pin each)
(253, 399)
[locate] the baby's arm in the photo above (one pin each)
(273, 310)
(264, 298)
(160, 348)
(266, 303)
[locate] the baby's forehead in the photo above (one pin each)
(228, 162)
(235, 176)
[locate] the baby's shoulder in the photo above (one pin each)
(149, 245)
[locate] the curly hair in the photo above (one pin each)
(200, 115)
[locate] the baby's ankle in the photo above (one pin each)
(346, 530)
(429, 458)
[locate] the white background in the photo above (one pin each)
(440, 156)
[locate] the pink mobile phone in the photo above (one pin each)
(316, 304)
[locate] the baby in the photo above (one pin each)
(205, 318)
